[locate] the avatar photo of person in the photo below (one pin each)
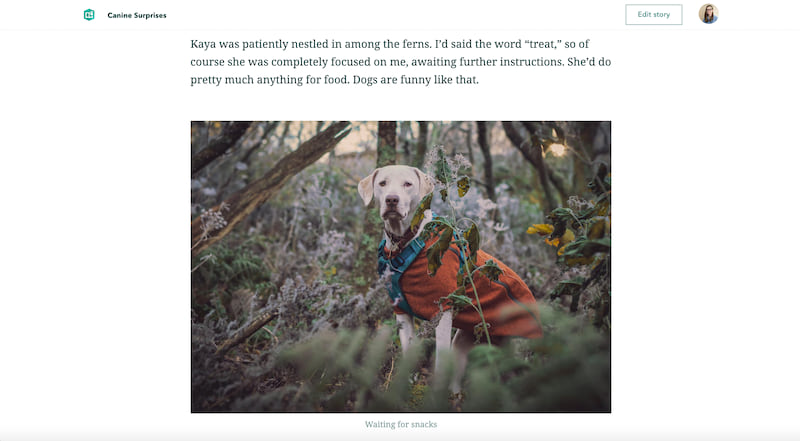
(709, 13)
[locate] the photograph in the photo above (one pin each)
(400, 266)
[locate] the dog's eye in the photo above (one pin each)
(407, 184)
(382, 183)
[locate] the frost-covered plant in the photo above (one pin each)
(493, 218)
(567, 370)
(304, 309)
(333, 251)
(212, 220)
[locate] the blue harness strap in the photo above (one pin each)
(398, 265)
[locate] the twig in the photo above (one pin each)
(388, 376)
(242, 334)
(203, 260)
(271, 333)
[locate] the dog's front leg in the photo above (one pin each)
(462, 344)
(443, 330)
(406, 328)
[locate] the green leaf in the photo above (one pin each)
(491, 270)
(583, 249)
(559, 218)
(443, 171)
(567, 288)
(459, 298)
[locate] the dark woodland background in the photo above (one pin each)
(287, 310)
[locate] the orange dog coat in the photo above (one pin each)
(508, 305)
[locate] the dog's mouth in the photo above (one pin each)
(392, 215)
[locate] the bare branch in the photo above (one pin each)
(216, 148)
(242, 334)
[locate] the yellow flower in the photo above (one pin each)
(540, 229)
(562, 241)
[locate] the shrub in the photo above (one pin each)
(582, 236)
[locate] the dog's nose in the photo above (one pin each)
(392, 200)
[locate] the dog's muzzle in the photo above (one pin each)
(392, 215)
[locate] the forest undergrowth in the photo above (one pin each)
(329, 341)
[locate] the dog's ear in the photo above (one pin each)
(425, 182)
(365, 187)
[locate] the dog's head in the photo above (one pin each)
(398, 189)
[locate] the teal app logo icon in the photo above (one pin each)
(88, 14)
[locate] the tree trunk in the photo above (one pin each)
(422, 144)
(387, 143)
(404, 137)
(230, 134)
(557, 182)
(244, 201)
(483, 142)
(471, 156)
(364, 270)
(532, 152)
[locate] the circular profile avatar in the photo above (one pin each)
(709, 13)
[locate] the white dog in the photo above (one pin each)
(508, 305)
